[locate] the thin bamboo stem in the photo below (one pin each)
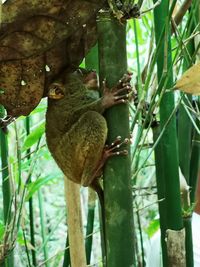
(6, 186)
(30, 202)
(91, 62)
(42, 225)
(90, 223)
(66, 261)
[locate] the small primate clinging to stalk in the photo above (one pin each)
(76, 130)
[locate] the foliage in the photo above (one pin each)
(32, 169)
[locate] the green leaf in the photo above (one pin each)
(34, 186)
(153, 227)
(34, 136)
(20, 237)
(2, 230)
(39, 109)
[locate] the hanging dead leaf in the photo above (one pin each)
(37, 42)
(22, 84)
(190, 81)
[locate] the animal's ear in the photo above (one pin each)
(56, 91)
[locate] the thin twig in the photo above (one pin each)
(181, 12)
(61, 251)
(151, 8)
(149, 205)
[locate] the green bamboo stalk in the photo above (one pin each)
(140, 233)
(43, 229)
(141, 97)
(90, 224)
(188, 241)
(169, 159)
(160, 181)
(188, 161)
(184, 122)
(117, 187)
(91, 62)
(184, 137)
(30, 202)
(18, 148)
(66, 261)
(6, 186)
(195, 155)
(26, 247)
(194, 163)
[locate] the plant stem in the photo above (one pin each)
(91, 62)
(42, 224)
(194, 163)
(66, 262)
(185, 137)
(90, 223)
(30, 202)
(6, 185)
(169, 150)
(117, 182)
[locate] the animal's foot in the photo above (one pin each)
(113, 149)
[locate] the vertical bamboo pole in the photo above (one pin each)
(117, 186)
(30, 202)
(195, 155)
(66, 261)
(74, 222)
(169, 160)
(185, 134)
(189, 155)
(91, 62)
(194, 162)
(43, 228)
(7, 195)
(184, 138)
(6, 186)
(160, 181)
(90, 223)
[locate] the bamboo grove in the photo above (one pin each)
(46, 220)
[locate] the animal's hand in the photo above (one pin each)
(118, 94)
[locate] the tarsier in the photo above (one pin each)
(76, 131)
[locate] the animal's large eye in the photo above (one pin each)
(56, 91)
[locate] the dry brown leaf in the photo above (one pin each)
(38, 40)
(190, 81)
(42, 25)
(22, 85)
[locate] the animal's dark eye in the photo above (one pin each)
(58, 91)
